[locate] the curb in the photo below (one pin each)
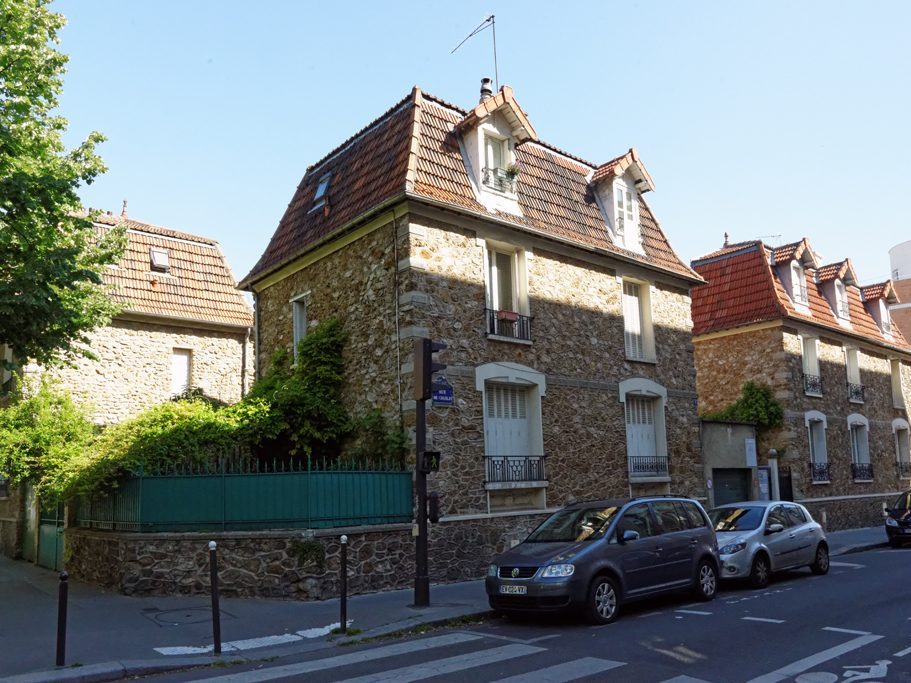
(861, 547)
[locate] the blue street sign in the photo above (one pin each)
(442, 392)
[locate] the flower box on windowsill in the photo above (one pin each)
(508, 316)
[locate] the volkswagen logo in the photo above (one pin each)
(515, 572)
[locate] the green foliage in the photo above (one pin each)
(756, 404)
(309, 552)
(50, 261)
(41, 431)
(374, 438)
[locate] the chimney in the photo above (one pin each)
(486, 89)
(123, 212)
(725, 239)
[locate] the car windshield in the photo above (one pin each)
(903, 502)
(736, 518)
(577, 524)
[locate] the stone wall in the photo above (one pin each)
(10, 523)
(133, 370)
(849, 513)
(267, 563)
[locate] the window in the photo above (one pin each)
(319, 197)
(902, 447)
(842, 308)
(898, 396)
(637, 322)
(798, 283)
(624, 208)
(494, 152)
(816, 427)
(498, 174)
(670, 516)
(852, 368)
(626, 216)
(777, 515)
(507, 298)
(502, 279)
(637, 518)
(181, 362)
(812, 382)
(512, 409)
(646, 438)
(858, 428)
(158, 260)
(885, 318)
(796, 515)
(298, 322)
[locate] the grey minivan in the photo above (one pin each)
(593, 556)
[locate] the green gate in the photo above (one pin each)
(50, 536)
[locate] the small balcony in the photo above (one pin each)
(812, 384)
(904, 469)
(515, 469)
(499, 179)
(819, 472)
(855, 392)
(862, 471)
(508, 324)
(647, 467)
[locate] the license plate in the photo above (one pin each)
(513, 590)
(906, 531)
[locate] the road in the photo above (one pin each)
(851, 625)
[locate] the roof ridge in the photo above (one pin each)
(139, 226)
(415, 146)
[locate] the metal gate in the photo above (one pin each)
(785, 489)
(50, 536)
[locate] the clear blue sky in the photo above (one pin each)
(761, 119)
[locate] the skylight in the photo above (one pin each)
(159, 260)
(320, 197)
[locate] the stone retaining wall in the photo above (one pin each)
(850, 513)
(270, 564)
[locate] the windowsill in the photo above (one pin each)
(649, 480)
(512, 485)
(511, 340)
(500, 193)
(904, 476)
(858, 401)
(899, 407)
(651, 361)
(863, 481)
(814, 483)
(813, 394)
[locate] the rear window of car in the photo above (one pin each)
(576, 524)
(741, 518)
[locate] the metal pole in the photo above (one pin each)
(61, 618)
(343, 580)
(421, 578)
(216, 613)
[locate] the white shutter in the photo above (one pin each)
(180, 370)
(507, 420)
(904, 447)
(818, 442)
(640, 427)
(632, 322)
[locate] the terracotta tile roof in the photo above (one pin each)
(504, 102)
(880, 290)
(795, 250)
(198, 286)
(620, 165)
(843, 270)
(413, 151)
(743, 287)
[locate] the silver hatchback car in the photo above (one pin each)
(756, 538)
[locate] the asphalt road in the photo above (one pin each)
(852, 625)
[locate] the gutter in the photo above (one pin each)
(139, 316)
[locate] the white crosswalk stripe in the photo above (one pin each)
(565, 671)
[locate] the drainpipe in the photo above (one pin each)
(256, 366)
(395, 296)
(773, 473)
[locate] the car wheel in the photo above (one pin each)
(603, 605)
(760, 572)
(706, 581)
(821, 563)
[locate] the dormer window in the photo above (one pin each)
(626, 216)
(885, 318)
(319, 197)
(842, 309)
(798, 283)
(498, 173)
(624, 200)
(158, 259)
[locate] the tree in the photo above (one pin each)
(51, 258)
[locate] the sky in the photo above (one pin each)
(775, 120)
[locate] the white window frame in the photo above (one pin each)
(809, 352)
(494, 279)
(492, 141)
(625, 204)
(859, 437)
(842, 306)
(641, 388)
(902, 434)
(519, 264)
(852, 364)
(898, 394)
(187, 380)
(638, 327)
(535, 386)
(299, 321)
(814, 419)
(885, 318)
(799, 283)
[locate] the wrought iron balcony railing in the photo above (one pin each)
(855, 392)
(515, 468)
(819, 471)
(812, 384)
(647, 466)
(499, 179)
(904, 469)
(508, 324)
(862, 471)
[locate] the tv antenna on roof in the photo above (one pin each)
(774, 238)
(491, 22)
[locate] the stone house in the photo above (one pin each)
(182, 324)
(565, 311)
(827, 347)
(900, 261)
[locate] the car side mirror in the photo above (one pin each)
(774, 528)
(629, 535)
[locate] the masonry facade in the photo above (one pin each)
(567, 325)
(827, 348)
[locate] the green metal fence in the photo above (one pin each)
(274, 497)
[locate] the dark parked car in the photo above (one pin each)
(898, 520)
(596, 555)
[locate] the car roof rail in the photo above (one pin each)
(660, 495)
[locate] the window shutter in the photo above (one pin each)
(632, 323)
(640, 427)
(507, 420)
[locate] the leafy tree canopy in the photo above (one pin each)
(756, 404)
(50, 257)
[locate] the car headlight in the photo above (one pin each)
(732, 548)
(492, 570)
(891, 521)
(558, 570)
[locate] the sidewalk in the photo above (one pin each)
(111, 636)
